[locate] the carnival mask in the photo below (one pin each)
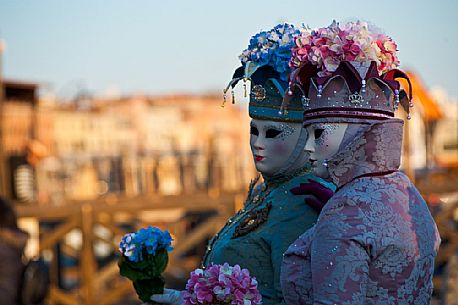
(272, 143)
(323, 143)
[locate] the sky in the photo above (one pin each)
(168, 47)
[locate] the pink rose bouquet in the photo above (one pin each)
(326, 47)
(221, 285)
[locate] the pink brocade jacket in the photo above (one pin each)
(375, 240)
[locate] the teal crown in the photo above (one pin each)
(267, 93)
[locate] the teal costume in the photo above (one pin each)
(277, 211)
(258, 235)
(273, 216)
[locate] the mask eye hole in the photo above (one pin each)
(272, 133)
(254, 131)
(318, 132)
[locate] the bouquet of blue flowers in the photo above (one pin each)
(144, 256)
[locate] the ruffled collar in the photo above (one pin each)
(375, 150)
(274, 181)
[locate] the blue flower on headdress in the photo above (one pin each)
(272, 48)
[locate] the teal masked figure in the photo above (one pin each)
(287, 201)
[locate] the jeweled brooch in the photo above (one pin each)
(252, 221)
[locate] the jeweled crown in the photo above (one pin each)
(348, 71)
(354, 90)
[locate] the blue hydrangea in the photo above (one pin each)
(272, 48)
(150, 239)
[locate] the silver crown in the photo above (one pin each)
(355, 98)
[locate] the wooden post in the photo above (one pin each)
(88, 267)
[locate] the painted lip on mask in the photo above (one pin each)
(258, 158)
(313, 162)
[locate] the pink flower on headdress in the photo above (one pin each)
(330, 63)
(303, 41)
(386, 44)
(316, 56)
(351, 50)
(354, 41)
(319, 41)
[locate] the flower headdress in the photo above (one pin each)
(347, 71)
(354, 41)
(272, 48)
(266, 64)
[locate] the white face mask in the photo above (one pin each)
(272, 144)
(323, 143)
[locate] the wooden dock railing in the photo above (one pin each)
(89, 280)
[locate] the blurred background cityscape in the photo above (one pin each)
(110, 120)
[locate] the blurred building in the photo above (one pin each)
(77, 142)
(430, 155)
(424, 115)
(433, 128)
(141, 145)
(168, 144)
(445, 142)
(18, 103)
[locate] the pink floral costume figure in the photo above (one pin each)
(375, 240)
